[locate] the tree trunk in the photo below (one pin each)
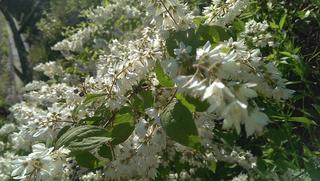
(19, 44)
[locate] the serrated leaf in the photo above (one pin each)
(238, 25)
(63, 130)
(164, 79)
(105, 152)
(186, 103)
(123, 126)
(87, 160)
(198, 20)
(179, 125)
(78, 133)
(143, 100)
(214, 34)
(76, 111)
(87, 144)
(95, 120)
(193, 104)
(201, 106)
(92, 97)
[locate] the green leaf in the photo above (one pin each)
(92, 97)
(313, 169)
(303, 120)
(238, 25)
(287, 54)
(196, 37)
(123, 126)
(143, 100)
(163, 78)
(274, 25)
(214, 34)
(198, 20)
(95, 120)
(188, 37)
(63, 130)
(102, 111)
(213, 166)
(79, 133)
(282, 21)
(186, 103)
(317, 108)
(87, 144)
(179, 125)
(105, 152)
(87, 160)
(201, 106)
(193, 104)
(76, 111)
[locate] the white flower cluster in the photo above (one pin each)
(241, 177)
(7, 129)
(41, 93)
(223, 12)
(93, 176)
(228, 76)
(101, 14)
(168, 14)
(38, 124)
(75, 42)
(138, 156)
(125, 66)
(50, 69)
(215, 152)
(256, 33)
(5, 165)
(45, 111)
(98, 18)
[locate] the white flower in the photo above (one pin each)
(255, 122)
(240, 177)
(234, 114)
(204, 52)
(216, 94)
(41, 164)
(152, 113)
(182, 50)
(141, 128)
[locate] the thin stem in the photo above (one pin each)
(172, 97)
(115, 79)
(168, 12)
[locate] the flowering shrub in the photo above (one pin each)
(163, 88)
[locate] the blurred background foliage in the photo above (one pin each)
(292, 140)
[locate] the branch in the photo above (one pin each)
(29, 17)
(18, 73)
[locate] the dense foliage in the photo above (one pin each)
(168, 90)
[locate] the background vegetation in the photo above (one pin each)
(292, 140)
